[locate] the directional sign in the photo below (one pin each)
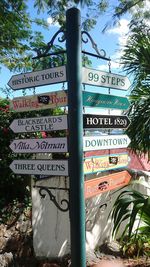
(46, 124)
(104, 101)
(40, 167)
(38, 78)
(105, 142)
(105, 121)
(103, 163)
(38, 102)
(105, 79)
(39, 145)
(106, 183)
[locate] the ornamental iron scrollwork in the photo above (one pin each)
(99, 53)
(44, 51)
(64, 202)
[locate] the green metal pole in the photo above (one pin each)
(75, 125)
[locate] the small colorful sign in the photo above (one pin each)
(38, 102)
(104, 101)
(106, 183)
(107, 162)
(105, 79)
(39, 145)
(93, 121)
(105, 142)
(38, 78)
(39, 124)
(40, 167)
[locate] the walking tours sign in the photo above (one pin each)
(39, 145)
(105, 142)
(47, 123)
(103, 184)
(107, 162)
(38, 78)
(38, 167)
(38, 102)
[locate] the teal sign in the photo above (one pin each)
(104, 101)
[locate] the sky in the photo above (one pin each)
(111, 41)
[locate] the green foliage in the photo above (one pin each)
(136, 63)
(133, 209)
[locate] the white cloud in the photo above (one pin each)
(51, 22)
(121, 31)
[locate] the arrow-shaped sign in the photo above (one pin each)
(107, 162)
(104, 101)
(38, 78)
(105, 79)
(40, 101)
(38, 124)
(39, 145)
(105, 142)
(40, 167)
(106, 183)
(91, 121)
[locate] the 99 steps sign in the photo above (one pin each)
(104, 79)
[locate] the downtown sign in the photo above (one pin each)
(105, 142)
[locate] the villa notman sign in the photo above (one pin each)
(39, 145)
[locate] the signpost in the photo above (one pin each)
(38, 78)
(46, 124)
(105, 121)
(44, 167)
(105, 79)
(106, 183)
(38, 102)
(104, 101)
(39, 145)
(108, 162)
(105, 142)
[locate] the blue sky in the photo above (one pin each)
(111, 41)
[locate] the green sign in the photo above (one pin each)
(105, 101)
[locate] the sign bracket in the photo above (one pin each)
(64, 206)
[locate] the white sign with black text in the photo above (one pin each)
(38, 78)
(40, 167)
(39, 145)
(46, 124)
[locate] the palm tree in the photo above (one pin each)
(136, 62)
